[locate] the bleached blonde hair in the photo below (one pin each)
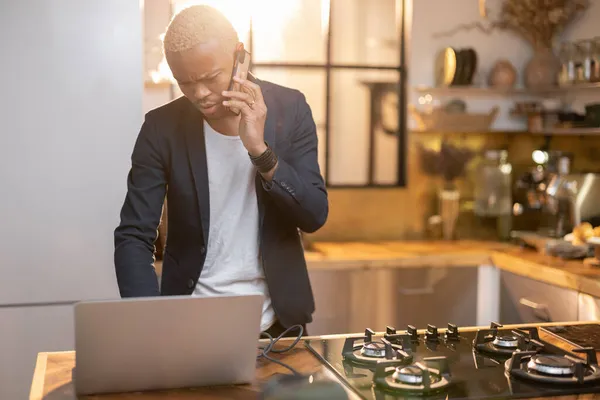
(199, 24)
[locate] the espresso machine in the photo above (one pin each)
(549, 200)
(571, 200)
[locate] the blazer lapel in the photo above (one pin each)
(196, 148)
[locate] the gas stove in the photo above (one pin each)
(452, 364)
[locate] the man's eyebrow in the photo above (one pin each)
(204, 76)
(201, 77)
(212, 73)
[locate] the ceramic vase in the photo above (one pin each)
(449, 209)
(542, 69)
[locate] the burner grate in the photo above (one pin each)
(488, 341)
(554, 369)
(370, 352)
(432, 375)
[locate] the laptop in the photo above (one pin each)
(167, 342)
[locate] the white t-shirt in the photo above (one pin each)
(232, 263)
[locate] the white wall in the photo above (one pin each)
(490, 48)
(70, 110)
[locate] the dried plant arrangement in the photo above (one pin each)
(539, 22)
(449, 162)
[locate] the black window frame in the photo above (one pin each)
(329, 67)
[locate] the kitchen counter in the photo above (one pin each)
(570, 274)
(52, 375)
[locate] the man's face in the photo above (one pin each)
(202, 73)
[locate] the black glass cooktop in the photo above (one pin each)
(493, 363)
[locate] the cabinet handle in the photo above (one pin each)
(416, 291)
(540, 311)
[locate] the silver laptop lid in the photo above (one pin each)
(139, 344)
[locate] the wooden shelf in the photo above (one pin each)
(444, 132)
(569, 131)
(553, 132)
(489, 91)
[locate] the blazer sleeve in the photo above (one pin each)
(297, 185)
(140, 216)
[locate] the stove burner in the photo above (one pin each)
(418, 378)
(410, 374)
(552, 369)
(369, 352)
(506, 341)
(488, 341)
(373, 349)
(551, 365)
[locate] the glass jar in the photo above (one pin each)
(595, 60)
(493, 180)
(585, 48)
(566, 75)
(582, 61)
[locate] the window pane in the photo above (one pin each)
(354, 119)
(292, 31)
(386, 135)
(312, 84)
(364, 32)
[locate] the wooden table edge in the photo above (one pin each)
(36, 392)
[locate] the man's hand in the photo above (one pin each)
(253, 110)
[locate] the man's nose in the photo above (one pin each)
(201, 91)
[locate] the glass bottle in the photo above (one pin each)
(493, 190)
(585, 47)
(595, 60)
(581, 64)
(566, 75)
(493, 185)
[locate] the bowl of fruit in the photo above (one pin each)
(585, 233)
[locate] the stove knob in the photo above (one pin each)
(432, 333)
(452, 332)
(412, 331)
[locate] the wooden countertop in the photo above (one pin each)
(52, 375)
(571, 274)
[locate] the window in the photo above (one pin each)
(348, 58)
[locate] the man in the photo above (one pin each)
(239, 187)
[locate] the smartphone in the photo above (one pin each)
(241, 65)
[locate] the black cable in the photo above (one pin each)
(269, 348)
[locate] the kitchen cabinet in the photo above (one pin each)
(435, 296)
(331, 292)
(525, 300)
(354, 299)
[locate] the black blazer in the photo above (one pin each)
(169, 159)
